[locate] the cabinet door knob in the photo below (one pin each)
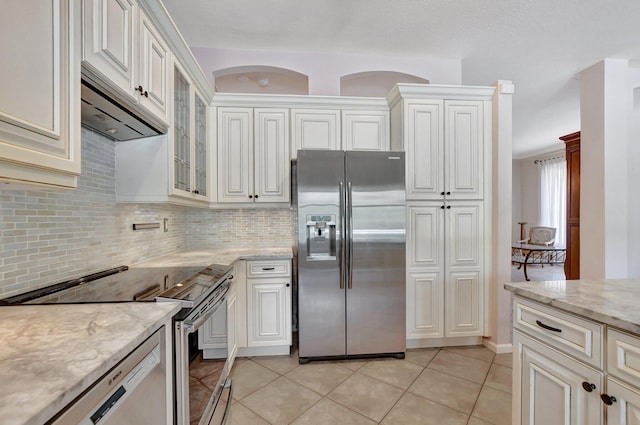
(441, 207)
(256, 196)
(607, 399)
(140, 89)
(288, 284)
(145, 94)
(448, 207)
(442, 193)
(588, 387)
(250, 196)
(448, 193)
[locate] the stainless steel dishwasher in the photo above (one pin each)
(132, 393)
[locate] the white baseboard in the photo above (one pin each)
(498, 348)
(443, 342)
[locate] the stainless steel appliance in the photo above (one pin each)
(132, 393)
(351, 254)
(201, 291)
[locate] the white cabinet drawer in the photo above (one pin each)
(578, 337)
(623, 356)
(268, 268)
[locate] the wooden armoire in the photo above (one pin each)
(572, 263)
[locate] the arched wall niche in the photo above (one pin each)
(375, 83)
(260, 79)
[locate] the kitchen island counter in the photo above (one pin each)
(205, 257)
(50, 354)
(610, 301)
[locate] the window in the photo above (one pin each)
(553, 196)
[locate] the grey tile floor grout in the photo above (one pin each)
(260, 403)
(267, 392)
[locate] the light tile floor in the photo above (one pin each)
(443, 386)
(537, 273)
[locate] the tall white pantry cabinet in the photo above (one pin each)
(446, 134)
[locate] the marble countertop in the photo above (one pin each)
(49, 354)
(611, 301)
(205, 257)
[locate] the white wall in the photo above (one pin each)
(325, 69)
(604, 115)
(633, 165)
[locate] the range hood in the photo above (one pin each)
(114, 117)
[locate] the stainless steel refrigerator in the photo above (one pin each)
(351, 254)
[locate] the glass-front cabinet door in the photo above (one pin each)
(181, 132)
(200, 151)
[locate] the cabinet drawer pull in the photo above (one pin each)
(547, 327)
(268, 268)
(607, 399)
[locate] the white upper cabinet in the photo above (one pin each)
(109, 40)
(189, 136)
(123, 47)
(272, 164)
(365, 130)
(446, 133)
(153, 67)
(424, 130)
(40, 92)
(253, 155)
(315, 129)
(464, 149)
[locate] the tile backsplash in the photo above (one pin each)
(241, 227)
(49, 236)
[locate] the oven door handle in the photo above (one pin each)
(200, 316)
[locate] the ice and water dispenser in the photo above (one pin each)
(321, 237)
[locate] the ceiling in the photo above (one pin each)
(540, 45)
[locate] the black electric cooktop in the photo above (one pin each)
(123, 284)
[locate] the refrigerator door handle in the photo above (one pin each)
(343, 254)
(349, 212)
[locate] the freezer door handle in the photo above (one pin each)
(350, 242)
(342, 235)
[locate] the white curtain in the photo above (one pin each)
(553, 196)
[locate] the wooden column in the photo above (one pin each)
(572, 263)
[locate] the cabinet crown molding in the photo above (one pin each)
(435, 91)
(299, 101)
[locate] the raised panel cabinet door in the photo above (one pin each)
(214, 331)
(465, 234)
(315, 129)
(425, 236)
(271, 155)
(464, 157)
(425, 305)
(365, 130)
(153, 69)
(40, 90)
(626, 409)
(235, 155)
(464, 301)
(551, 387)
(268, 312)
(109, 41)
(424, 146)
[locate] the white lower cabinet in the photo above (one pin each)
(445, 257)
(559, 372)
(257, 320)
(625, 410)
(554, 386)
(268, 318)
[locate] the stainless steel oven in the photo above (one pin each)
(201, 291)
(186, 325)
